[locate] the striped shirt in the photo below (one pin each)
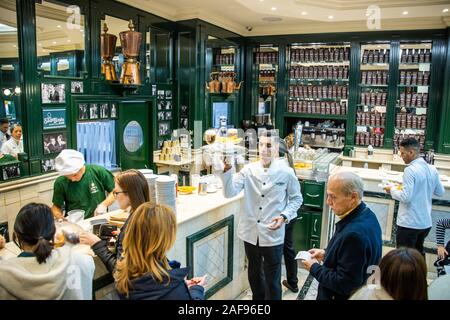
(441, 226)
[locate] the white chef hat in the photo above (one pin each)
(69, 162)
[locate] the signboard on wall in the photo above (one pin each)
(53, 118)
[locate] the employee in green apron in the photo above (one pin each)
(81, 186)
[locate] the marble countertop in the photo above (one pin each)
(379, 175)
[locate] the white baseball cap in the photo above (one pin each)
(69, 162)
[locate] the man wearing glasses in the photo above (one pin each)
(271, 199)
(81, 186)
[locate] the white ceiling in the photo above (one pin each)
(302, 16)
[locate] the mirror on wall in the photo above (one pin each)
(116, 26)
(10, 87)
(60, 35)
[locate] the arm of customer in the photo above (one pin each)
(233, 183)
(349, 273)
(101, 208)
(405, 194)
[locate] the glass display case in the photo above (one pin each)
(372, 107)
(315, 164)
(413, 84)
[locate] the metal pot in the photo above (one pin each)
(130, 41)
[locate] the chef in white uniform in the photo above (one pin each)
(271, 199)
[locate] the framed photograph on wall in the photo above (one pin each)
(54, 142)
(161, 105)
(160, 94)
(168, 105)
(53, 118)
(83, 111)
(48, 165)
(93, 111)
(161, 116)
(76, 87)
(160, 144)
(104, 110)
(168, 115)
(53, 92)
(114, 110)
(168, 94)
(164, 128)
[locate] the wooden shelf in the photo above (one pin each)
(321, 63)
(315, 116)
(318, 99)
(373, 85)
(320, 80)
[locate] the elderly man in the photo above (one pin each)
(81, 186)
(420, 182)
(355, 245)
(272, 198)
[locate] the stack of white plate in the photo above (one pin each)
(146, 171)
(151, 180)
(165, 191)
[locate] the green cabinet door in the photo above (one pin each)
(313, 193)
(316, 223)
(301, 233)
(134, 135)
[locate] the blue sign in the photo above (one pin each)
(54, 118)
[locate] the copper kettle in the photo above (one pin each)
(230, 84)
(131, 41)
(214, 85)
(107, 49)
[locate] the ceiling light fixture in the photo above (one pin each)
(54, 42)
(405, 13)
(445, 10)
(273, 8)
(58, 26)
(304, 13)
(330, 17)
(7, 92)
(17, 90)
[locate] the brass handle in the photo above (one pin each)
(312, 195)
(315, 222)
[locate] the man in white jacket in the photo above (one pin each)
(272, 198)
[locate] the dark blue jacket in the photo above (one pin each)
(355, 245)
(146, 288)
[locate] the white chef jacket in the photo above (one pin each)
(420, 182)
(268, 192)
(12, 147)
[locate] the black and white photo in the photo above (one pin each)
(184, 123)
(161, 105)
(164, 128)
(168, 105)
(168, 94)
(55, 142)
(93, 111)
(154, 90)
(104, 110)
(160, 95)
(168, 115)
(184, 111)
(48, 165)
(83, 111)
(114, 110)
(76, 87)
(53, 93)
(160, 143)
(10, 172)
(161, 115)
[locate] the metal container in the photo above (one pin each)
(131, 41)
(107, 43)
(202, 188)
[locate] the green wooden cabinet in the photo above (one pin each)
(313, 193)
(301, 231)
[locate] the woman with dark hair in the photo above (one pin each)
(40, 271)
(144, 272)
(131, 190)
(403, 276)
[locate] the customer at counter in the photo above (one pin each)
(272, 197)
(41, 272)
(355, 245)
(131, 190)
(144, 272)
(402, 276)
(420, 182)
(81, 186)
(4, 136)
(14, 145)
